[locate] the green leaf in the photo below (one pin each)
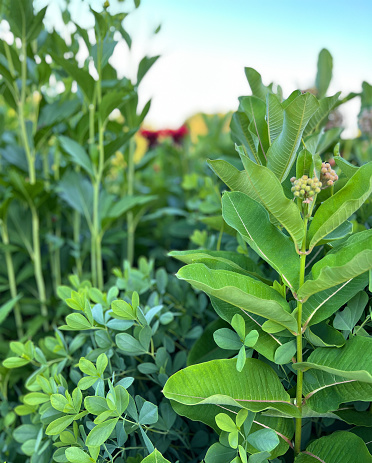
(59, 425)
(7, 307)
(274, 116)
(324, 74)
(78, 154)
(353, 259)
(339, 446)
(204, 348)
(227, 339)
(155, 457)
(251, 220)
(77, 321)
(218, 453)
(339, 207)
(15, 362)
(95, 405)
(237, 322)
(325, 107)
(196, 390)
(144, 66)
(346, 167)
(129, 344)
(251, 338)
(87, 367)
(264, 440)
(242, 291)
(321, 306)
(255, 82)
(285, 352)
(325, 392)
(76, 455)
(225, 423)
(282, 153)
(349, 317)
(323, 335)
(266, 189)
(148, 414)
(256, 111)
(352, 361)
(100, 433)
(242, 136)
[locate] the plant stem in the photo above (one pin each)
(130, 218)
(297, 447)
(12, 280)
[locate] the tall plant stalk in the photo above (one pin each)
(300, 373)
(130, 216)
(11, 277)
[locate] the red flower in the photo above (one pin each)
(151, 136)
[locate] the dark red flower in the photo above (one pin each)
(151, 136)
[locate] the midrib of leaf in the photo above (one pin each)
(310, 394)
(314, 456)
(250, 236)
(236, 400)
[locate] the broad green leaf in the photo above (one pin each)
(205, 348)
(339, 447)
(77, 321)
(100, 433)
(95, 405)
(251, 220)
(346, 167)
(255, 82)
(26, 432)
(323, 335)
(282, 153)
(256, 111)
(242, 291)
(87, 367)
(339, 207)
(353, 259)
(76, 455)
(342, 231)
(352, 361)
(129, 344)
(321, 306)
(349, 317)
(256, 388)
(324, 74)
(351, 416)
(148, 413)
(218, 453)
(59, 425)
(274, 116)
(269, 192)
(324, 392)
(225, 423)
(325, 107)
(155, 457)
(242, 136)
(78, 154)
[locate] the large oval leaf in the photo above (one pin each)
(256, 388)
(251, 220)
(324, 392)
(352, 361)
(282, 153)
(339, 447)
(242, 291)
(339, 207)
(353, 259)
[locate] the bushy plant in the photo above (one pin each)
(303, 357)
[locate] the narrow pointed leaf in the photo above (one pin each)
(324, 74)
(339, 207)
(251, 220)
(352, 260)
(242, 291)
(256, 111)
(339, 446)
(256, 387)
(269, 192)
(352, 361)
(325, 392)
(282, 153)
(346, 167)
(255, 82)
(242, 136)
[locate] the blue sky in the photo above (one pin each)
(205, 45)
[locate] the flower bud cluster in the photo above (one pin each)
(305, 188)
(327, 175)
